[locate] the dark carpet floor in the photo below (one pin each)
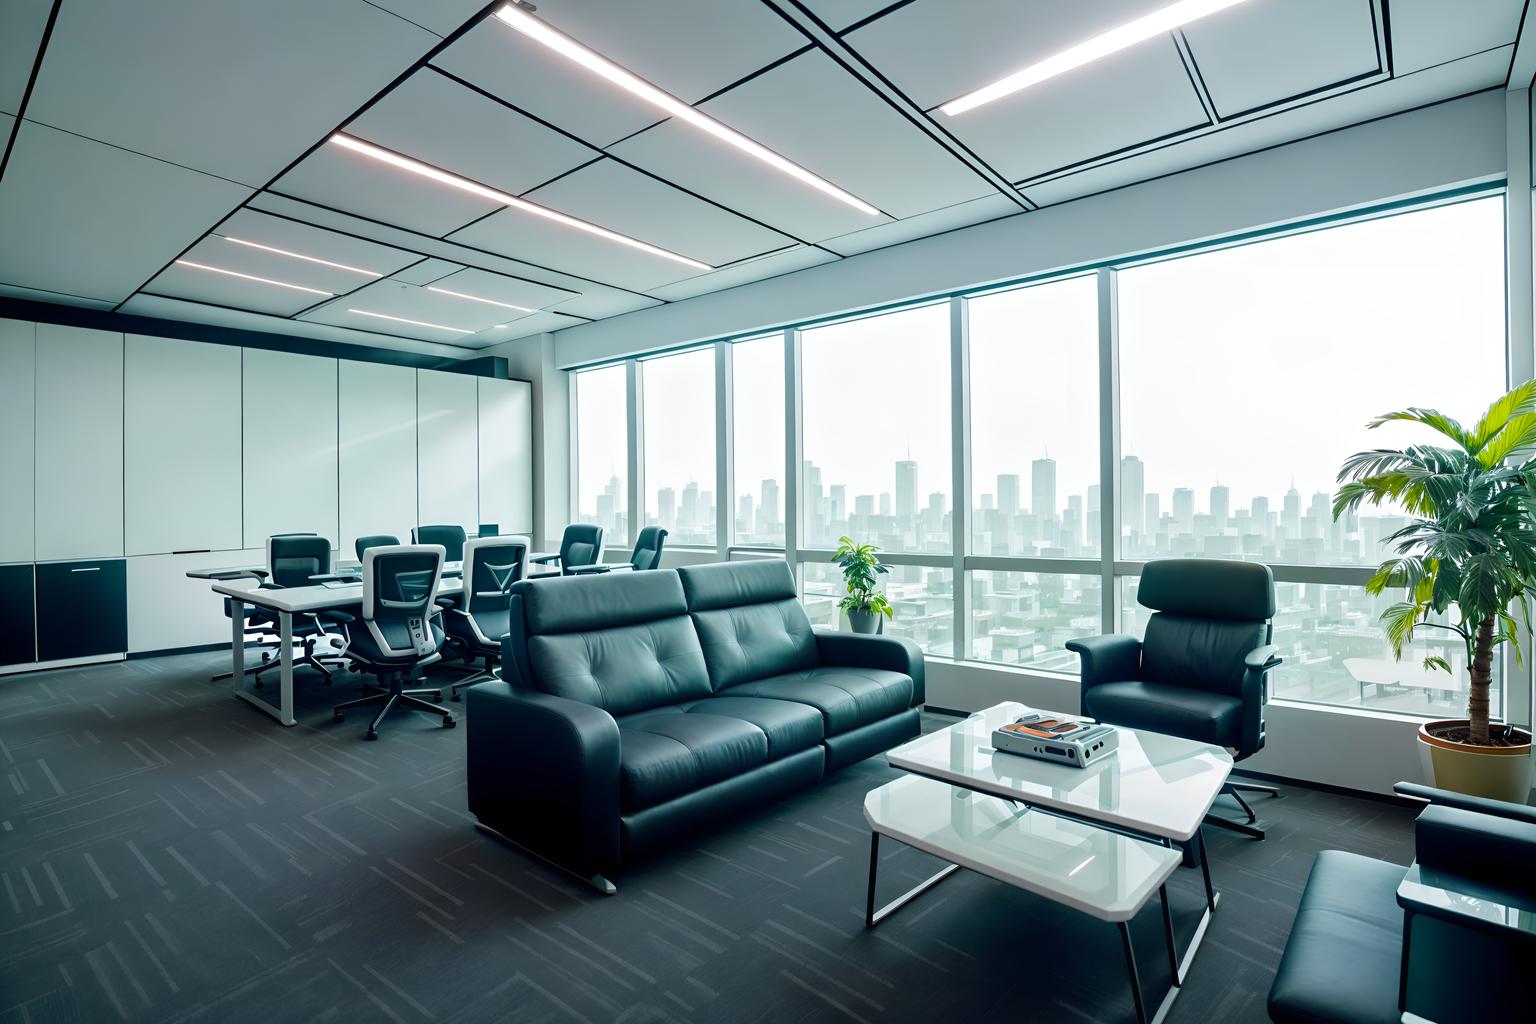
(170, 854)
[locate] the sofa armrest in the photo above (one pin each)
(1112, 657)
(862, 650)
(1496, 852)
(1480, 804)
(544, 772)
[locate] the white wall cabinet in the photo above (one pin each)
(506, 454)
(18, 378)
(78, 502)
(377, 427)
(166, 610)
(181, 446)
(289, 447)
(447, 437)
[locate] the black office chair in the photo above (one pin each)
(398, 635)
(450, 538)
(645, 556)
(374, 540)
(1202, 670)
(491, 566)
(581, 545)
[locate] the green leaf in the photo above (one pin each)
(1438, 663)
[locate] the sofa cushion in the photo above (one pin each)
(1174, 710)
(789, 726)
(664, 755)
(750, 620)
(846, 697)
(1341, 961)
(624, 669)
(572, 604)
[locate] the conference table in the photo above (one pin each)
(240, 585)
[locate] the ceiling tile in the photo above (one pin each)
(934, 56)
(111, 218)
(308, 240)
(348, 181)
(1428, 32)
(440, 122)
(521, 235)
(43, 295)
(1254, 55)
(974, 211)
(700, 163)
(234, 89)
(427, 271)
(816, 114)
(21, 30)
(598, 306)
(500, 288)
(438, 16)
(839, 14)
(179, 281)
(538, 323)
(624, 200)
(410, 302)
(772, 265)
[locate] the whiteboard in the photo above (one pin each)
(289, 448)
(506, 454)
(447, 438)
(378, 451)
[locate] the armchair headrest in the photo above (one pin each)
(1208, 588)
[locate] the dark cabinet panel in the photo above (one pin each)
(18, 618)
(82, 609)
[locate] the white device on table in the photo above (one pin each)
(1054, 739)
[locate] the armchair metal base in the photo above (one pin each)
(1236, 790)
(391, 697)
(597, 882)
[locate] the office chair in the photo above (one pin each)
(450, 538)
(645, 556)
(491, 566)
(373, 541)
(580, 545)
(293, 560)
(398, 634)
(1202, 670)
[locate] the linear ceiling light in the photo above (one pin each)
(413, 323)
(442, 177)
(253, 277)
(476, 298)
(567, 47)
(1113, 41)
(300, 256)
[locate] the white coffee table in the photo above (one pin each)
(1104, 874)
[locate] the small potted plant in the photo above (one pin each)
(1466, 562)
(862, 570)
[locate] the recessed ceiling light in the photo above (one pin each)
(569, 48)
(1113, 41)
(253, 277)
(413, 323)
(443, 177)
(300, 256)
(476, 298)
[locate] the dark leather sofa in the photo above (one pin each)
(637, 708)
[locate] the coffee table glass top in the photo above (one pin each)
(1154, 784)
(1105, 874)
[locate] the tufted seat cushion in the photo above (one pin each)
(846, 697)
(1175, 710)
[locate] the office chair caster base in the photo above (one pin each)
(1241, 828)
(371, 734)
(449, 722)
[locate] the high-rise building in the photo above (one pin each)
(863, 504)
(1042, 489)
(768, 512)
(1290, 515)
(906, 491)
(1008, 493)
(837, 496)
(885, 503)
(1133, 488)
(1093, 521)
(1260, 508)
(666, 508)
(1221, 506)
(688, 508)
(1184, 510)
(744, 524)
(1151, 513)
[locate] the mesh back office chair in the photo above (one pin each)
(374, 540)
(645, 556)
(450, 538)
(1202, 669)
(398, 634)
(580, 545)
(491, 566)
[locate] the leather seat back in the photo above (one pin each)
(1200, 654)
(623, 643)
(749, 618)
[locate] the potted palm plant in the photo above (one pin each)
(862, 570)
(1466, 562)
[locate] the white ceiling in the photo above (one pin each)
(150, 133)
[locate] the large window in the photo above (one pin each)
(1248, 375)
(679, 406)
(877, 431)
(757, 409)
(1035, 420)
(602, 450)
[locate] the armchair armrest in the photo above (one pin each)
(1263, 658)
(1459, 901)
(588, 570)
(544, 772)
(1482, 805)
(542, 559)
(1108, 658)
(1496, 852)
(859, 650)
(1254, 692)
(334, 616)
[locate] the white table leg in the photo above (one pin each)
(284, 711)
(237, 642)
(285, 625)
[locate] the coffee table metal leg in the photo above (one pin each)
(1173, 953)
(872, 916)
(1205, 869)
(1130, 967)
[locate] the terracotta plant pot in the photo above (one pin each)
(1501, 773)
